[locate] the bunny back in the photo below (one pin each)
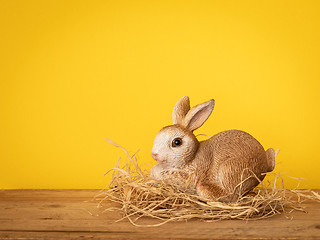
(230, 157)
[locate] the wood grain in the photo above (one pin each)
(64, 214)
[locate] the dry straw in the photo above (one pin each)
(137, 195)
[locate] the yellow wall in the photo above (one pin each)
(75, 72)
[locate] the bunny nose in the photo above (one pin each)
(155, 155)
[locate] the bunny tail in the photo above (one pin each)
(271, 155)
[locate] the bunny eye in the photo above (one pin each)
(176, 142)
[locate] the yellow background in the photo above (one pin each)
(75, 72)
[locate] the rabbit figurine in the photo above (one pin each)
(223, 167)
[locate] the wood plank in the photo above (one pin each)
(62, 214)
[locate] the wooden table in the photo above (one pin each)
(61, 214)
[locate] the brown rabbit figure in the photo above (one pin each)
(222, 167)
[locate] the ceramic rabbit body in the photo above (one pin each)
(223, 167)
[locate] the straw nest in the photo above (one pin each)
(137, 195)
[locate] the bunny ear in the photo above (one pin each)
(180, 110)
(198, 115)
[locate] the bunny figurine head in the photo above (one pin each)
(176, 145)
